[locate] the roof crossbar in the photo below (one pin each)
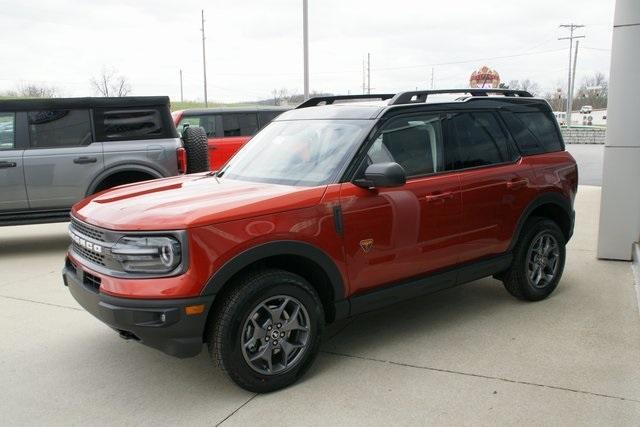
(421, 95)
(328, 100)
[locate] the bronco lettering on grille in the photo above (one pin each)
(85, 244)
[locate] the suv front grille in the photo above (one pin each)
(85, 253)
(91, 281)
(87, 230)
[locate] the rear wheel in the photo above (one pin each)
(266, 331)
(538, 261)
(195, 143)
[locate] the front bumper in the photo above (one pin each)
(161, 324)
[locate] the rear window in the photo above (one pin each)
(59, 128)
(117, 124)
(239, 124)
(534, 131)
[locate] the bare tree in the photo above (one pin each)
(32, 90)
(110, 83)
(593, 91)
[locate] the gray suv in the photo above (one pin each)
(55, 152)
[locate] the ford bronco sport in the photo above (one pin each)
(330, 211)
(55, 152)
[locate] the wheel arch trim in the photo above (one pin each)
(550, 198)
(120, 168)
(266, 250)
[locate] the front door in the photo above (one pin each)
(12, 187)
(392, 234)
(62, 158)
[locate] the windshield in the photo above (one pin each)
(302, 152)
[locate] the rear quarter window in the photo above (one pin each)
(533, 130)
(118, 124)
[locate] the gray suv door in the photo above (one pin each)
(61, 159)
(13, 195)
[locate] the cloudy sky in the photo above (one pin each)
(254, 47)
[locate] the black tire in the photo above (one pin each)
(517, 279)
(196, 145)
(231, 320)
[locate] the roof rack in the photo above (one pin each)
(328, 100)
(421, 95)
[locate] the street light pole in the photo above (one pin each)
(305, 41)
(204, 63)
(572, 28)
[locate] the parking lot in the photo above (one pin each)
(469, 355)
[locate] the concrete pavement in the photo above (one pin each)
(469, 355)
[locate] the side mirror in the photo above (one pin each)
(380, 175)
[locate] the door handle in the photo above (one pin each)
(517, 183)
(6, 165)
(84, 160)
(438, 197)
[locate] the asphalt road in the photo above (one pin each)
(589, 159)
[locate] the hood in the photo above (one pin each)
(190, 201)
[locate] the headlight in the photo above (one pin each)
(148, 254)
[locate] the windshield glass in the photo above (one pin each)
(302, 152)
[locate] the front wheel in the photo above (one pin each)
(538, 261)
(266, 332)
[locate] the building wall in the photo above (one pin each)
(584, 135)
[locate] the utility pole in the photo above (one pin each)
(204, 63)
(573, 76)
(181, 93)
(431, 78)
(572, 27)
(305, 42)
(364, 77)
(368, 73)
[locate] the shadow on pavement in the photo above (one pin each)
(33, 244)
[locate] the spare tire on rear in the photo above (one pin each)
(195, 143)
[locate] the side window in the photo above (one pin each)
(534, 131)
(267, 116)
(413, 142)
(479, 140)
(120, 124)
(59, 128)
(7, 131)
(240, 124)
(208, 123)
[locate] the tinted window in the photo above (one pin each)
(534, 131)
(207, 122)
(130, 123)
(478, 139)
(415, 143)
(59, 128)
(7, 131)
(240, 124)
(266, 116)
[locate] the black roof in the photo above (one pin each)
(327, 108)
(221, 110)
(88, 102)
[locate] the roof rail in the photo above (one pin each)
(421, 95)
(328, 100)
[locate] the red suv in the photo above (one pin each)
(227, 129)
(333, 209)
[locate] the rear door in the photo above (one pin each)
(12, 187)
(494, 181)
(62, 157)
